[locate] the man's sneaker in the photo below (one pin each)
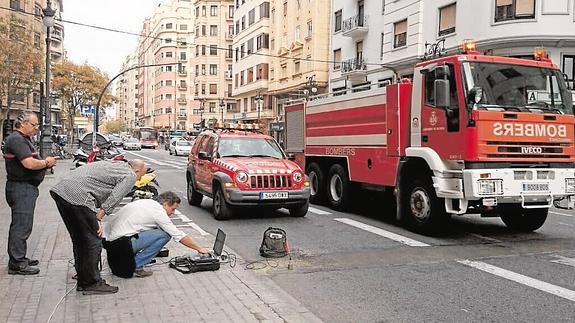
(142, 273)
(100, 288)
(23, 271)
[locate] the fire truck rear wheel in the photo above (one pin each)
(194, 198)
(424, 211)
(524, 220)
(338, 188)
(317, 183)
(222, 211)
(300, 210)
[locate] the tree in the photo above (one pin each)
(115, 126)
(20, 64)
(78, 85)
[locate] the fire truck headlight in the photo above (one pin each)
(297, 177)
(490, 187)
(241, 177)
(570, 185)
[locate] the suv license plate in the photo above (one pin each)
(535, 187)
(273, 195)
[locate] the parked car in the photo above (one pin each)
(132, 144)
(115, 140)
(180, 147)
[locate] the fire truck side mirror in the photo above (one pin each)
(475, 95)
(442, 98)
(203, 155)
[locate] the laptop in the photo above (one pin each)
(217, 249)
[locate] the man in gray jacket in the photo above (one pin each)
(83, 198)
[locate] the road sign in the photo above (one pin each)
(87, 109)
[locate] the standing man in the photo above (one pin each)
(84, 197)
(25, 171)
(148, 224)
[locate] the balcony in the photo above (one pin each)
(182, 73)
(228, 75)
(182, 87)
(182, 100)
(182, 115)
(355, 26)
(354, 69)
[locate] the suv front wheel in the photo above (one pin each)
(299, 210)
(222, 211)
(194, 198)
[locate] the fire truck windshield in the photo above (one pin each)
(249, 147)
(517, 88)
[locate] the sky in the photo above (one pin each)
(104, 49)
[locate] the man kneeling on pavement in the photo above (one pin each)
(139, 230)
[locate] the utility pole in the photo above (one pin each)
(46, 140)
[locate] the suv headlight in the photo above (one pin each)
(297, 177)
(490, 186)
(241, 177)
(570, 185)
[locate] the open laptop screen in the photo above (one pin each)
(219, 243)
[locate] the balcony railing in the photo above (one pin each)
(354, 64)
(181, 72)
(182, 100)
(182, 114)
(355, 26)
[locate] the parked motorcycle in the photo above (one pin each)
(103, 150)
(146, 187)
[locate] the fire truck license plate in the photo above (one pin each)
(535, 187)
(273, 195)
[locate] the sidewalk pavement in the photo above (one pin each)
(227, 295)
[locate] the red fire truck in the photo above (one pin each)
(469, 134)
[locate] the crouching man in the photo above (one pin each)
(139, 230)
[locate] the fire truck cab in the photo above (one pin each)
(469, 134)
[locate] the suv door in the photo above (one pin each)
(203, 167)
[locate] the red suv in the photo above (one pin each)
(238, 168)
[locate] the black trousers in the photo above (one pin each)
(83, 228)
(21, 198)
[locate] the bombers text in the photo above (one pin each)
(529, 130)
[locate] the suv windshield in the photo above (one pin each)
(249, 147)
(519, 88)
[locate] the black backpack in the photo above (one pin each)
(274, 243)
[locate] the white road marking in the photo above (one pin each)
(564, 260)
(152, 160)
(182, 216)
(485, 238)
(318, 211)
(564, 214)
(383, 233)
(521, 279)
(197, 228)
(569, 225)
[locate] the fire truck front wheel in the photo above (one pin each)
(424, 211)
(222, 210)
(338, 188)
(317, 183)
(524, 220)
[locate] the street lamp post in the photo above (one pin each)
(46, 141)
(222, 106)
(259, 100)
(310, 86)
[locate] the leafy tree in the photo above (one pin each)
(115, 126)
(20, 64)
(78, 85)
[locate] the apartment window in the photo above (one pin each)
(336, 59)
(447, 20)
(213, 30)
(15, 4)
(243, 22)
(569, 67)
(242, 78)
(243, 50)
(203, 69)
(213, 11)
(337, 20)
(231, 12)
(296, 67)
(168, 40)
(203, 30)
(400, 34)
(250, 75)
(265, 10)
(169, 54)
(168, 97)
(297, 33)
(212, 106)
(213, 69)
(284, 71)
(36, 40)
(204, 11)
(213, 89)
(183, 27)
(262, 71)
(168, 68)
(251, 17)
(203, 89)
(250, 46)
(309, 29)
(213, 50)
(183, 56)
(230, 52)
(168, 83)
(262, 41)
(272, 44)
(514, 9)
(169, 26)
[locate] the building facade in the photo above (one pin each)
(212, 60)
(127, 92)
(384, 39)
(30, 13)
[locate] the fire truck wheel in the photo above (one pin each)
(524, 220)
(222, 211)
(338, 188)
(424, 211)
(300, 210)
(194, 198)
(317, 183)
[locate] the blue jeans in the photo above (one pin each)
(147, 245)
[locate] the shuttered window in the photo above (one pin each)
(514, 9)
(400, 34)
(447, 19)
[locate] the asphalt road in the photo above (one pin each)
(362, 266)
